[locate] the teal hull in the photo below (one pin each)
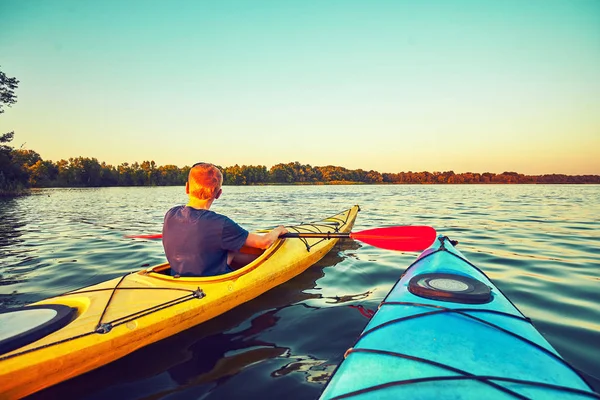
(445, 331)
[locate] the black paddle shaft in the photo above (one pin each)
(326, 235)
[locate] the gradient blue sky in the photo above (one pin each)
(511, 85)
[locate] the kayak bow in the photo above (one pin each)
(446, 331)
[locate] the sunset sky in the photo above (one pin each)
(421, 85)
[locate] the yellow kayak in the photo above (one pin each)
(101, 323)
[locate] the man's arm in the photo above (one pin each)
(264, 241)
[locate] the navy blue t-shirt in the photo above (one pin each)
(196, 241)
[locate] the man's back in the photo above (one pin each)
(197, 241)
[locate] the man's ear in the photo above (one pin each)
(218, 193)
(187, 188)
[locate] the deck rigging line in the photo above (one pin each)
(465, 312)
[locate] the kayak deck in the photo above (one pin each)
(438, 334)
(116, 317)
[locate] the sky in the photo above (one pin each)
(421, 85)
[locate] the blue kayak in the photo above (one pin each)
(445, 331)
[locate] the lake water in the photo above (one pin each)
(539, 244)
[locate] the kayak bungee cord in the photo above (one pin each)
(491, 380)
(196, 294)
(462, 312)
(307, 230)
(465, 374)
(336, 223)
(482, 378)
(106, 327)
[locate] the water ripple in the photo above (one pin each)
(538, 243)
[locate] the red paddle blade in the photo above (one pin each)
(400, 238)
(155, 236)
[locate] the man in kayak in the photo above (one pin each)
(200, 242)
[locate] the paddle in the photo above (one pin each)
(154, 236)
(400, 238)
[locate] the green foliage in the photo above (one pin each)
(13, 177)
(7, 91)
(88, 172)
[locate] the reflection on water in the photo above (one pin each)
(538, 243)
(349, 297)
(10, 225)
(222, 355)
(12, 256)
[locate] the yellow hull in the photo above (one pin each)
(146, 306)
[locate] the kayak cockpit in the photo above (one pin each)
(246, 256)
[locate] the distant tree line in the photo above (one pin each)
(30, 170)
(21, 169)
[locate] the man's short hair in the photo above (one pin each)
(204, 180)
